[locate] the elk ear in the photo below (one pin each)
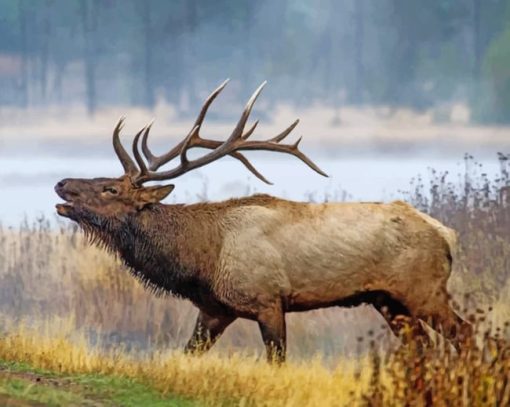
(155, 194)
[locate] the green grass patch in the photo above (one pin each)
(22, 385)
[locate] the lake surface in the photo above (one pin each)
(26, 185)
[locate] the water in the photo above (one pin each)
(26, 186)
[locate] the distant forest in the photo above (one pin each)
(410, 53)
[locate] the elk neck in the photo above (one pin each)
(171, 248)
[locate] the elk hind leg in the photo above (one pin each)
(398, 317)
(450, 326)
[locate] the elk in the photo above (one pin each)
(259, 257)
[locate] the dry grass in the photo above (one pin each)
(436, 376)
(211, 378)
(72, 308)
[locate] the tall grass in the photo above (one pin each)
(478, 208)
(49, 273)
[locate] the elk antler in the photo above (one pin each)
(197, 141)
(237, 141)
(126, 161)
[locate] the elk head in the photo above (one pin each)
(100, 201)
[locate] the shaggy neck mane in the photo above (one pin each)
(167, 247)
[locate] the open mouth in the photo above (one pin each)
(65, 208)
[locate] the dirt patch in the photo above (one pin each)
(5, 373)
(8, 401)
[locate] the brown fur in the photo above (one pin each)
(259, 257)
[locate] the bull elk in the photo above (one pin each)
(260, 257)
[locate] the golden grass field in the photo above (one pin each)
(71, 308)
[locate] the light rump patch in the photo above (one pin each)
(259, 257)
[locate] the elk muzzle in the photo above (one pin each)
(68, 195)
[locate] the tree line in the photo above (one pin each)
(358, 52)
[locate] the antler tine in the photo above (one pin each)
(151, 158)
(250, 130)
(186, 144)
(292, 149)
(126, 161)
(208, 101)
(299, 154)
(156, 162)
(285, 132)
(250, 167)
(238, 130)
(136, 151)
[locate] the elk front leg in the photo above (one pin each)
(272, 327)
(206, 332)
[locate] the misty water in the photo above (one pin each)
(26, 185)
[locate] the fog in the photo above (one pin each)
(384, 90)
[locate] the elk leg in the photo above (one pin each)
(272, 327)
(452, 327)
(206, 332)
(398, 317)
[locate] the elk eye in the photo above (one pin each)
(111, 190)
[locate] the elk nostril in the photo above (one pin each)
(61, 184)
